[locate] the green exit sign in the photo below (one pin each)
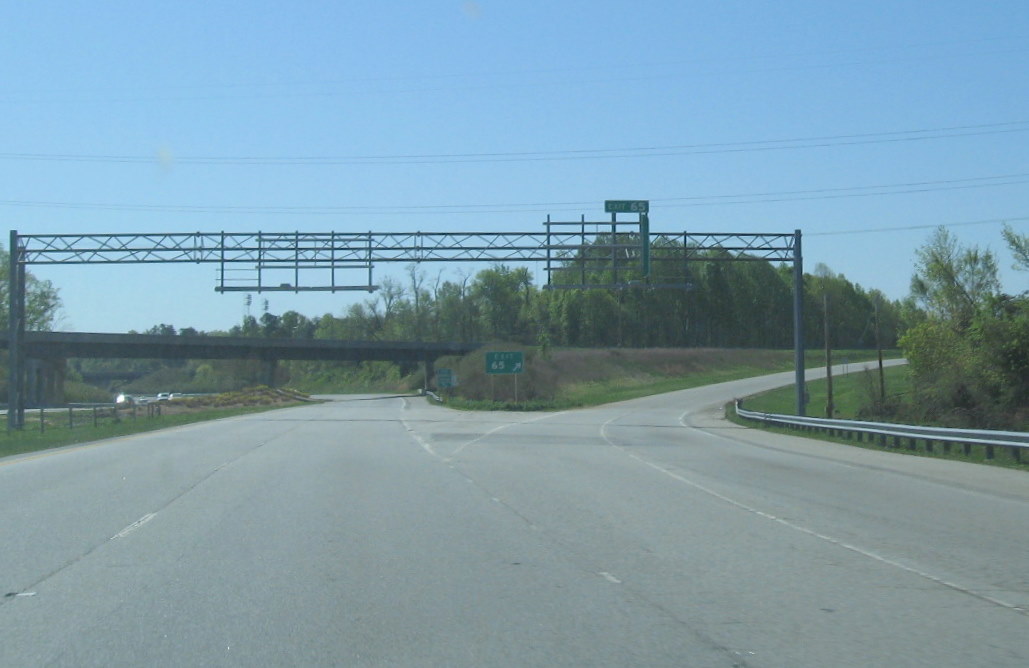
(627, 206)
(505, 362)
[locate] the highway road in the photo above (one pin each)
(383, 531)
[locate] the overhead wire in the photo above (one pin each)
(473, 208)
(820, 59)
(822, 141)
(924, 226)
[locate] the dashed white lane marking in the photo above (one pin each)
(610, 578)
(428, 447)
(418, 439)
(545, 416)
(479, 438)
(820, 536)
(135, 525)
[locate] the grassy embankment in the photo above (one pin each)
(56, 432)
(851, 394)
(566, 378)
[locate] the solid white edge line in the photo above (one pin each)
(823, 537)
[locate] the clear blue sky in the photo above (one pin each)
(863, 124)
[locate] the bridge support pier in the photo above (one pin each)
(270, 367)
(44, 382)
(430, 374)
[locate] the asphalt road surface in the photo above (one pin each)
(382, 531)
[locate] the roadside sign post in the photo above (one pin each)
(505, 363)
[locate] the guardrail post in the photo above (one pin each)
(42, 420)
(71, 418)
(906, 437)
(95, 423)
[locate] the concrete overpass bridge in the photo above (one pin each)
(46, 352)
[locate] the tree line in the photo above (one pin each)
(722, 304)
(711, 301)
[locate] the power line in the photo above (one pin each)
(878, 230)
(825, 141)
(852, 191)
(891, 54)
(544, 207)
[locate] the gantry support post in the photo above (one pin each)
(15, 336)
(798, 323)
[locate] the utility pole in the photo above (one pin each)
(829, 408)
(879, 348)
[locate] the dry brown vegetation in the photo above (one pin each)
(567, 376)
(251, 396)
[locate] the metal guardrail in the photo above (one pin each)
(893, 435)
(95, 412)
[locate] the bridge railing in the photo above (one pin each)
(898, 436)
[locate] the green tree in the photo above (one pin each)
(42, 299)
(455, 312)
(1019, 245)
(503, 295)
(969, 356)
(294, 325)
(953, 282)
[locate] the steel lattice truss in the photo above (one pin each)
(302, 261)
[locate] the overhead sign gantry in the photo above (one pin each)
(573, 253)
